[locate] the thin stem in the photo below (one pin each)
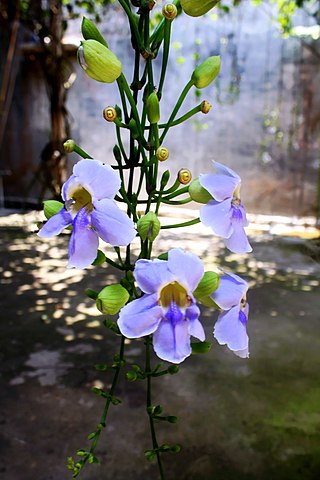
(184, 224)
(133, 25)
(166, 49)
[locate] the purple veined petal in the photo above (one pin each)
(195, 327)
(186, 267)
(84, 241)
(219, 186)
(218, 216)
(67, 185)
(245, 222)
(238, 241)
(56, 224)
(112, 224)
(230, 291)
(140, 317)
(98, 178)
(230, 331)
(224, 170)
(151, 275)
(171, 342)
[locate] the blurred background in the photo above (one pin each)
(237, 419)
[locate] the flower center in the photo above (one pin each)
(174, 300)
(78, 197)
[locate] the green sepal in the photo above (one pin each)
(206, 72)
(118, 112)
(149, 226)
(81, 452)
(117, 153)
(163, 256)
(173, 369)
(112, 298)
(93, 459)
(200, 347)
(198, 193)
(100, 259)
(150, 455)
(207, 285)
(131, 376)
(90, 31)
(164, 179)
(112, 326)
(52, 207)
(208, 302)
(91, 293)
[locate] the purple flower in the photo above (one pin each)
(89, 206)
(225, 214)
(168, 309)
(230, 328)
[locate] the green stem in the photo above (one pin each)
(177, 193)
(185, 224)
(133, 25)
(166, 49)
(81, 152)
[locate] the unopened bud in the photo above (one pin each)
(112, 298)
(207, 285)
(198, 193)
(109, 114)
(200, 347)
(196, 8)
(133, 128)
(69, 145)
(99, 62)
(152, 106)
(91, 32)
(184, 176)
(169, 11)
(51, 207)
(148, 226)
(162, 154)
(164, 179)
(206, 72)
(205, 106)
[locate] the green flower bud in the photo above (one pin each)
(51, 207)
(164, 179)
(99, 62)
(152, 106)
(112, 298)
(148, 226)
(198, 193)
(196, 8)
(69, 145)
(200, 347)
(91, 32)
(207, 285)
(133, 128)
(206, 72)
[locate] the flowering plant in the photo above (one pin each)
(157, 298)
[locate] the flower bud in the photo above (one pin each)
(148, 226)
(206, 72)
(184, 176)
(109, 114)
(162, 154)
(164, 179)
(51, 207)
(91, 32)
(200, 347)
(196, 8)
(133, 128)
(69, 145)
(152, 106)
(99, 62)
(112, 298)
(169, 11)
(205, 106)
(207, 285)
(198, 193)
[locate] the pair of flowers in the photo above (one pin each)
(168, 309)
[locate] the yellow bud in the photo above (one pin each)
(184, 176)
(206, 72)
(196, 8)
(69, 145)
(198, 193)
(169, 11)
(109, 114)
(205, 106)
(112, 298)
(99, 62)
(148, 226)
(162, 154)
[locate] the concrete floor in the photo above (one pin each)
(238, 419)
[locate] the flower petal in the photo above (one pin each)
(140, 317)
(230, 291)
(98, 178)
(171, 342)
(219, 186)
(231, 331)
(195, 327)
(84, 241)
(217, 216)
(56, 224)
(67, 185)
(238, 241)
(186, 267)
(112, 224)
(150, 275)
(224, 170)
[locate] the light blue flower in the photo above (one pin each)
(230, 328)
(90, 209)
(225, 214)
(167, 309)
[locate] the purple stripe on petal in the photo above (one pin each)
(140, 317)
(84, 241)
(172, 342)
(56, 224)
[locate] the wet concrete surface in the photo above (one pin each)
(239, 419)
